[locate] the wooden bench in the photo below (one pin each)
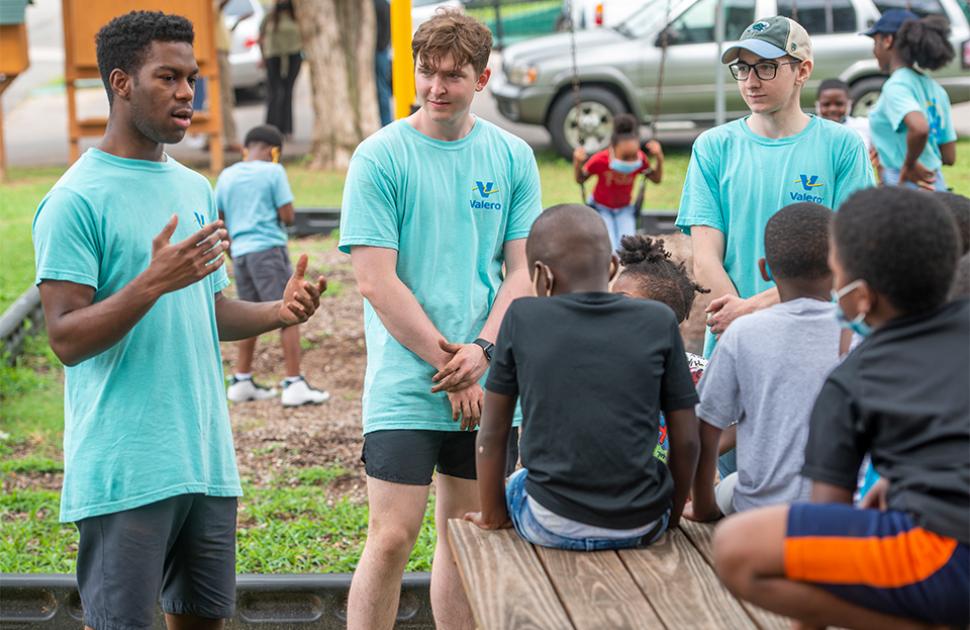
(513, 584)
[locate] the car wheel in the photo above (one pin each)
(864, 95)
(591, 124)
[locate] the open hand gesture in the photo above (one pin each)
(300, 298)
(176, 266)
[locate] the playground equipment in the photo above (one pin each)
(13, 56)
(83, 19)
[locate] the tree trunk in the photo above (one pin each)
(338, 43)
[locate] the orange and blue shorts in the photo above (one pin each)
(879, 560)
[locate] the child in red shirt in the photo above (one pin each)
(617, 168)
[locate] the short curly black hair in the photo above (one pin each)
(797, 241)
(123, 42)
(959, 207)
(648, 262)
(902, 242)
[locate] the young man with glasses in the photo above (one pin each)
(741, 173)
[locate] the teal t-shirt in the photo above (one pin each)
(737, 180)
(905, 91)
(146, 419)
(447, 208)
(248, 194)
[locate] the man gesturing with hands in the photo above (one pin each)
(129, 257)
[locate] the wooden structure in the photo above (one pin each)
(13, 61)
(84, 18)
(513, 584)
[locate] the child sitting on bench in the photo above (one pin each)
(594, 370)
(648, 273)
(765, 372)
(902, 396)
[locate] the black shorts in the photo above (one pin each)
(182, 548)
(262, 276)
(411, 456)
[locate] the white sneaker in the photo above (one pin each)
(299, 392)
(242, 390)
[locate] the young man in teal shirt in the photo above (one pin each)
(744, 171)
(434, 206)
(741, 173)
(129, 263)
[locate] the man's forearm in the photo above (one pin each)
(515, 285)
(768, 297)
(238, 320)
(407, 322)
(710, 274)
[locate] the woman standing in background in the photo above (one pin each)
(911, 124)
(281, 45)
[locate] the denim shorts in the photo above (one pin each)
(526, 525)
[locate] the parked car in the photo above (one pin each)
(248, 75)
(617, 67)
(423, 10)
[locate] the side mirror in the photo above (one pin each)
(669, 34)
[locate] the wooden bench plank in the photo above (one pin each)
(702, 536)
(506, 584)
(597, 590)
(682, 587)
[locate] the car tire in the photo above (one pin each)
(864, 94)
(600, 106)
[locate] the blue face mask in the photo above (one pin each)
(857, 325)
(622, 166)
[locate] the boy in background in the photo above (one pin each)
(766, 370)
(901, 396)
(254, 199)
(594, 369)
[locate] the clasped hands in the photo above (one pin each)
(459, 380)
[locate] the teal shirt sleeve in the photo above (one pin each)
(900, 100)
(700, 201)
(368, 214)
(853, 171)
(282, 194)
(526, 197)
(67, 242)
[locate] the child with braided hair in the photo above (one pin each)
(650, 274)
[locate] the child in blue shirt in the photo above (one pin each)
(254, 199)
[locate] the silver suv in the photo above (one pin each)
(617, 67)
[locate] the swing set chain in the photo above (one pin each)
(577, 101)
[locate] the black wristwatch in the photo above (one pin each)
(486, 346)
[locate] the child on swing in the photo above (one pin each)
(617, 168)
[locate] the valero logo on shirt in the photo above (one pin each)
(809, 184)
(200, 219)
(485, 190)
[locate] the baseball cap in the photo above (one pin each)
(772, 37)
(890, 21)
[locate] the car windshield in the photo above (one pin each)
(646, 20)
(235, 8)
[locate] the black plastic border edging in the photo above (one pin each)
(13, 322)
(263, 602)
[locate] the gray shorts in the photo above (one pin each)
(182, 548)
(262, 276)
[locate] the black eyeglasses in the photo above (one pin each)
(764, 70)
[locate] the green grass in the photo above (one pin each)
(282, 530)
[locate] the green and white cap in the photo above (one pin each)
(772, 37)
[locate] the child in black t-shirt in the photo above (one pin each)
(594, 370)
(901, 395)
